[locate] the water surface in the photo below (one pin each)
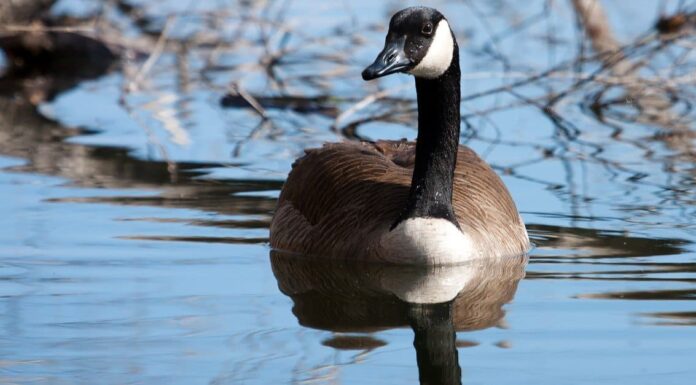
(134, 242)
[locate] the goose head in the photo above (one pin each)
(419, 42)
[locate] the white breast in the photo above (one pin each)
(428, 241)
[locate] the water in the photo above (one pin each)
(134, 232)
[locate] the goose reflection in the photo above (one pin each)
(435, 302)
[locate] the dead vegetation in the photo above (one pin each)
(258, 56)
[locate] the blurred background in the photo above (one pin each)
(143, 145)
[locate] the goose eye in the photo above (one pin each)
(427, 29)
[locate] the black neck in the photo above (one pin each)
(437, 145)
(435, 343)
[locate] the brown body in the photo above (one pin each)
(341, 199)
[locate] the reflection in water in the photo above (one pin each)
(602, 244)
(649, 295)
(679, 318)
(435, 343)
(25, 133)
(598, 301)
(435, 302)
(604, 255)
(42, 142)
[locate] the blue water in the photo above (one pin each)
(114, 269)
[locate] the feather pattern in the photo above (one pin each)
(341, 199)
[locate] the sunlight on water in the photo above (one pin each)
(134, 242)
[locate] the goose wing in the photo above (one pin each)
(338, 199)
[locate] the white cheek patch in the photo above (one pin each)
(439, 55)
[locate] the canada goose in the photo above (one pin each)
(431, 202)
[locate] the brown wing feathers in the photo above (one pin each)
(343, 191)
(340, 197)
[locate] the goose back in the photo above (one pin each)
(340, 199)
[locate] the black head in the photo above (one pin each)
(419, 42)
